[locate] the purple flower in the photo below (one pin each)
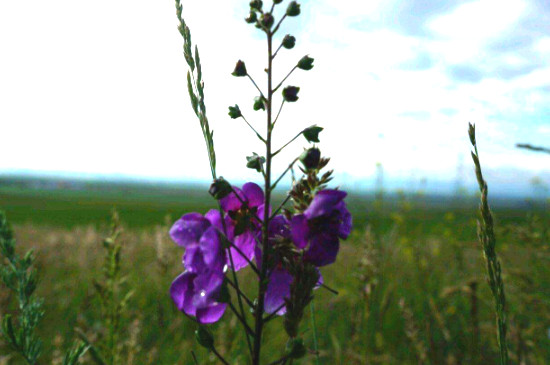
(242, 226)
(197, 295)
(319, 229)
(196, 291)
(278, 287)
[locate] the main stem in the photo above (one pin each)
(263, 273)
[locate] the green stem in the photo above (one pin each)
(265, 237)
(315, 343)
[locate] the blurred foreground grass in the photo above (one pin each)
(410, 280)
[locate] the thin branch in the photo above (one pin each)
(281, 206)
(284, 173)
(278, 113)
(253, 129)
(533, 148)
(286, 77)
(289, 142)
(335, 292)
(242, 320)
(254, 82)
(278, 25)
(219, 356)
(246, 299)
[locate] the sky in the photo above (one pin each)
(99, 88)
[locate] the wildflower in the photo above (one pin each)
(280, 278)
(197, 295)
(320, 227)
(197, 290)
(241, 221)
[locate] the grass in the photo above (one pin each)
(411, 288)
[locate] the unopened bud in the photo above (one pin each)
(234, 112)
(293, 9)
(259, 103)
(220, 188)
(289, 41)
(251, 18)
(306, 63)
(256, 4)
(267, 20)
(295, 348)
(204, 338)
(290, 93)
(255, 162)
(312, 133)
(240, 69)
(310, 158)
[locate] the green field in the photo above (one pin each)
(411, 278)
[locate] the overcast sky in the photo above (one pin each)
(98, 87)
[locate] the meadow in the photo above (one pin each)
(410, 279)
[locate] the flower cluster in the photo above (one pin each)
(229, 238)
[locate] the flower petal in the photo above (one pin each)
(215, 219)
(212, 313)
(323, 249)
(193, 259)
(207, 288)
(254, 194)
(300, 230)
(181, 292)
(246, 244)
(188, 229)
(324, 202)
(278, 289)
(231, 202)
(211, 249)
(346, 225)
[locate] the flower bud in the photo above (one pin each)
(256, 4)
(310, 158)
(290, 93)
(289, 41)
(235, 112)
(267, 20)
(312, 133)
(259, 103)
(277, 1)
(252, 17)
(204, 338)
(255, 162)
(220, 188)
(306, 63)
(240, 69)
(295, 348)
(293, 9)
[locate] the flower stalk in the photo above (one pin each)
(486, 235)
